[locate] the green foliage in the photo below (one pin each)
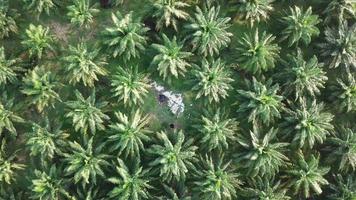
(217, 130)
(131, 184)
(46, 186)
(344, 92)
(344, 189)
(174, 195)
(40, 86)
(216, 180)
(340, 46)
(126, 38)
(129, 85)
(129, 133)
(341, 9)
(171, 59)
(84, 162)
(260, 101)
(307, 175)
(212, 80)
(37, 40)
(307, 123)
(173, 160)
(86, 113)
(39, 6)
(168, 12)
(7, 116)
(262, 154)
(84, 64)
(7, 67)
(8, 166)
(254, 10)
(81, 13)
(7, 22)
(344, 149)
(208, 31)
(257, 52)
(300, 25)
(303, 77)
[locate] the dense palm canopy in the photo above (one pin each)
(86, 113)
(260, 101)
(8, 166)
(212, 80)
(344, 92)
(216, 179)
(262, 154)
(7, 116)
(129, 85)
(129, 133)
(300, 26)
(85, 162)
(40, 86)
(208, 31)
(303, 77)
(7, 67)
(130, 184)
(306, 176)
(168, 12)
(340, 46)
(126, 38)
(344, 188)
(173, 159)
(217, 130)
(81, 13)
(308, 123)
(171, 60)
(7, 21)
(84, 64)
(341, 9)
(257, 52)
(254, 10)
(38, 40)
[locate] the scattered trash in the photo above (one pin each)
(174, 101)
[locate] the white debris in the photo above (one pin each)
(175, 101)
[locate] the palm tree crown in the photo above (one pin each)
(254, 10)
(209, 31)
(342, 9)
(260, 101)
(8, 166)
(345, 93)
(86, 113)
(81, 13)
(7, 66)
(7, 116)
(38, 40)
(127, 37)
(344, 189)
(171, 59)
(257, 53)
(7, 22)
(173, 160)
(169, 12)
(39, 6)
(129, 85)
(300, 25)
(213, 80)
(84, 64)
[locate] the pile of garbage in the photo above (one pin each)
(174, 100)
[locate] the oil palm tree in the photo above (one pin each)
(48, 185)
(254, 10)
(173, 159)
(343, 151)
(343, 189)
(216, 130)
(208, 31)
(46, 141)
(7, 68)
(308, 123)
(129, 85)
(344, 93)
(303, 77)
(81, 13)
(7, 115)
(86, 113)
(216, 179)
(129, 133)
(260, 101)
(341, 9)
(257, 52)
(39, 6)
(7, 21)
(340, 46)
(84, 64)
(8, 166)
(306, 175)
(37, 40)
(130, 184)
(171, 60)
(262, 154)
(300, 25)
(168, 12)
(126, 38)
(40, 86)
(85, 162)
(212, 80)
